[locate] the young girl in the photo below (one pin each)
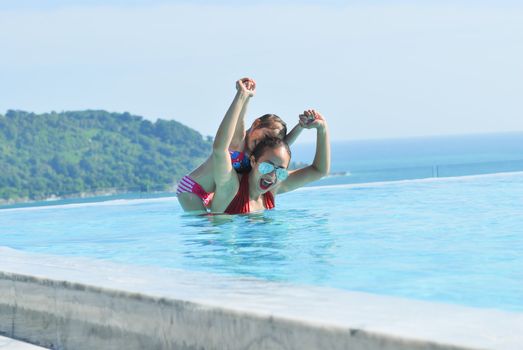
(237, 193)
(195, 190)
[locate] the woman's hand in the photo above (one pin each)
(311, 119)
(246, 86)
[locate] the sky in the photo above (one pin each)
(374, 69)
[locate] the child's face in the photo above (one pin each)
(258, 134)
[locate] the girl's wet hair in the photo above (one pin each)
(269, 143)
(271, 121)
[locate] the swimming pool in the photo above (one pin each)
(454, 240)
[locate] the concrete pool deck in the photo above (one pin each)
(76, 303)
(13, 344)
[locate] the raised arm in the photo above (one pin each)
(239, 133)
(320, 167)
(222, 168)
(293, 134)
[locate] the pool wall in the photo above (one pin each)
(76, 303)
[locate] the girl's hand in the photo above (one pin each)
(246, 86)
(311, 119)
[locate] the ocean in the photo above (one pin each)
(362, 161)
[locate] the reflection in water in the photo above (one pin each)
(247, 244)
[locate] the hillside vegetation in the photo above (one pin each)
(58, 154)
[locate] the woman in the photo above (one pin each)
(195, 190)
(255, 190)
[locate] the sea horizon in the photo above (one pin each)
(422, 151)
(371, 161)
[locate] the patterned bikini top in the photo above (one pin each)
(240, 161)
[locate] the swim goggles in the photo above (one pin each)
(266, 168)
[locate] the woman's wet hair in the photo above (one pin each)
(269, 143)
(271, 121)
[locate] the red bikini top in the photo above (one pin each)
(240, 202)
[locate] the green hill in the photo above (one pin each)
(68, 153)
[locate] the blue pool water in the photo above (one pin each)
(455, 240)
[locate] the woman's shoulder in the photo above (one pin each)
(224, 195)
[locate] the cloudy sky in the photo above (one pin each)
(376, 69)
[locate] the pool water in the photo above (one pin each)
(454, 240)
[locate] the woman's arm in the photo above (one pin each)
(320, 167)
(222, 168)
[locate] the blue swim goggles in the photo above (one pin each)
(266, 168)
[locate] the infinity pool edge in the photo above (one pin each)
(66, 303)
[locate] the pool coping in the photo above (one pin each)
(79, 303)
(13, 344)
